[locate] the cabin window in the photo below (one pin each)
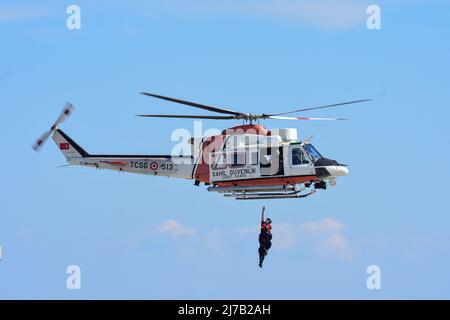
(299, 157)
(237, 159)
(253, 157)
(219, 162)
(271, 161)
(265, 157)
(240, 141)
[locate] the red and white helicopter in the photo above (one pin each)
(244, 162)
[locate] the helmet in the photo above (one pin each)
(268, 220)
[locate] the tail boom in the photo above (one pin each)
(157, 165)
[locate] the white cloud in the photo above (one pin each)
(173, 229)
(329, 14)
(327, 224)
(286, 236)
(326, 238)
(336, 245)
(170, 228)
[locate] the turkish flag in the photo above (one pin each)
(64, 146)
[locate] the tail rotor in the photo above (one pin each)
(66, 112)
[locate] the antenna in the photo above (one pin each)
(309, 139)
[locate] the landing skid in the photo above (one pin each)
(263, 192)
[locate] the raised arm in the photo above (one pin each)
(262, 214)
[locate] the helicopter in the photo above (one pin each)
(244, 162)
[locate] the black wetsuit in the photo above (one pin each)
(265, 242)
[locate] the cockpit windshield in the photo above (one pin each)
(314, 154)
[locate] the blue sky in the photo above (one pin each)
(142, 237)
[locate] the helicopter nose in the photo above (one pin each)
(337, 171)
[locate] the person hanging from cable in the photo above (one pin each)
(265, 237)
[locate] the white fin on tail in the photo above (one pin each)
(67, 146)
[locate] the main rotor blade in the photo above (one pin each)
(182, 116)
(302, 118)
(194, 104)
(321, 107)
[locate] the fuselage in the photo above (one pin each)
(242, 156)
